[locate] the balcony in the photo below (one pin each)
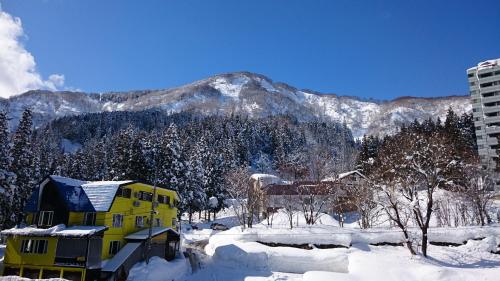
(491, 99)
(490, 88)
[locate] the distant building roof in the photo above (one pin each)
(300, 187)
(343, 175)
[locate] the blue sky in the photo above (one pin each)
(372, 49)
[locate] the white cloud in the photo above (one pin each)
(18, 72)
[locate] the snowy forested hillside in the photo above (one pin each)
(246, 94)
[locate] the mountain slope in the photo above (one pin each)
(242, 93)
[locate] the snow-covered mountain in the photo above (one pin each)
(244, 93)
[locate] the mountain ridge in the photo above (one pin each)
(246, 93)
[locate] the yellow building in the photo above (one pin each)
(90, 230)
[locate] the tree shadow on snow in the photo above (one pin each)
(483, 263)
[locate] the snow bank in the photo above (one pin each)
(460, 235)
(257, 256)
(159, 269)
(298, 236)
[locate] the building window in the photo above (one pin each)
(478, 128)
(114, 247)
(145, 196)
(472, 83)
(488, 74)
(174, 223)
(163, 199)
(30, 246)
(124, 192)
(45, 218)
(117, 220)
(89, 219)
(139, 221)
(157, 222)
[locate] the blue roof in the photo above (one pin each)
(70, 191)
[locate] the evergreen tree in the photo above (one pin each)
(196, 179)
(7, 178)
(22, 164)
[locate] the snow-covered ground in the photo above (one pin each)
(159, 269)
(235, 255)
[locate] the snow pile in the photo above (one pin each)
(377, 236)
(257, 256)
(159, 269)
(241, 248)
(487, 245)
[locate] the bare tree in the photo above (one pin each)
(477, 191)
(362, 197)
(416, 165)
(396, 209)
(315, 199)
(290, 205)
(245, 196)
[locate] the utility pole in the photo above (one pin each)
(152, 212)
(151, 217)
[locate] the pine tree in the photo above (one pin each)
(173, 172)
(7, 178)
(196, 180)
(22, 164)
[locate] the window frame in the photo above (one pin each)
(41, 217)
(114, 247)
(115, 223)
(32, 246)
(124, 192)
(137, 219)
(85, 218)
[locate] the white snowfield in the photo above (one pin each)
(235, 254)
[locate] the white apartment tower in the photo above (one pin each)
(484, 83)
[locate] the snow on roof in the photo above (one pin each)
(114, 263)
(486, 64)
(143, 234)
(259, 176)
(343, 175)
(265, 179)
(58, 230)
(67, 181)
(102, 193)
